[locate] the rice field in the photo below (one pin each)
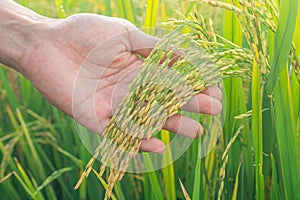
(257, 154)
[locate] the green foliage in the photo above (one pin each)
(42, 157)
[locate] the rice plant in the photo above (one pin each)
(255, 45)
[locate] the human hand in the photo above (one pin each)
(83, 65)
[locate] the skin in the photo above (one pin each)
(83, 65)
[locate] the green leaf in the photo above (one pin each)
(198, 172)
(51, 178)
(156, 190)
(168, 171)
(287, 140)
(275, 193)
(151, 14)
(236, 185)
(283, 39)
(257, 131)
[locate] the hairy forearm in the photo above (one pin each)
(18, 27)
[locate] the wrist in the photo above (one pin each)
(19, 29)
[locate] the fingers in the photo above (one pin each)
(152, 145)
(207, 102)
(214, 92)
(178, 124)
(183, 125)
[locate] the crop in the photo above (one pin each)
(257, 155)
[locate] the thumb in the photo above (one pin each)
(141, 43)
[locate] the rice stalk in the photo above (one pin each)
(222, 173)
(26, 187)
(257, 131)
(168, 171)
(223, 52)
(222, 177)
(27, 182)
(7, 153)
(232, 140)
(255, 14)
(198, 169)
(241, 151)
(55, 175)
